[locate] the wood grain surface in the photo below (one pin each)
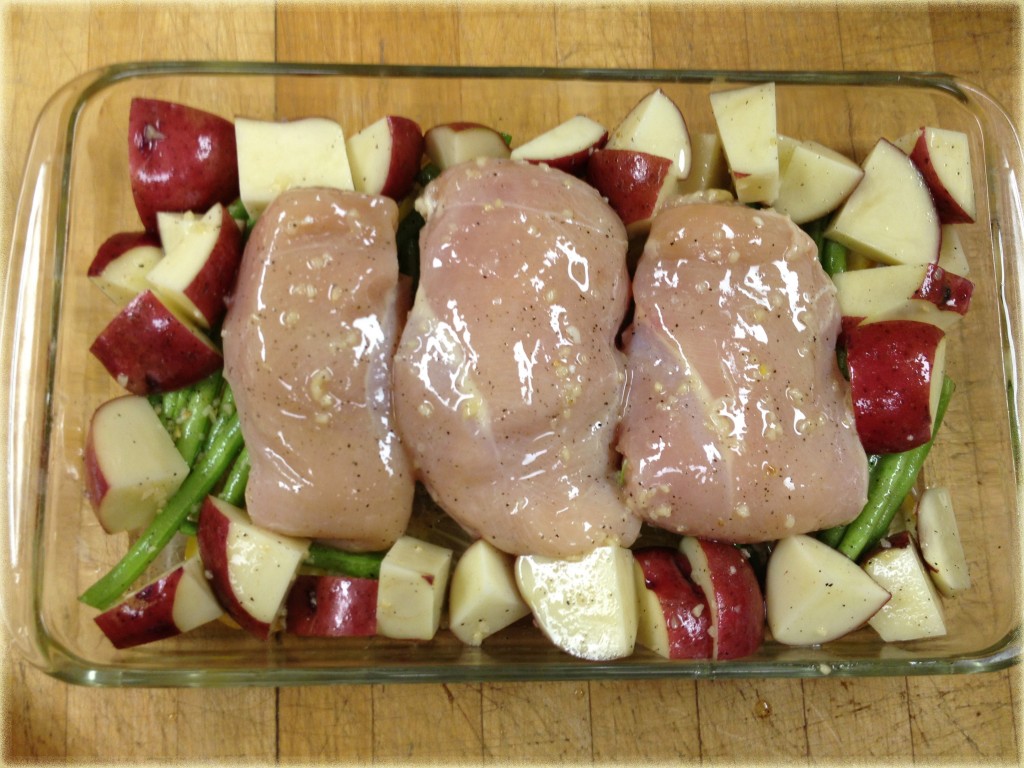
(891, 720)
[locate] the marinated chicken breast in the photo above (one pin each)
(308, 344)
(738, 424)
(508, 384)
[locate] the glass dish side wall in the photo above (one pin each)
(68, 550)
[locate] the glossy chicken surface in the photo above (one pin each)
(308, 344)
(738, 425)
(508, 384)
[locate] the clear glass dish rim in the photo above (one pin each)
(63, 108)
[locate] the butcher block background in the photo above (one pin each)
(889, 720)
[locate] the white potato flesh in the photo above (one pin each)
(174, 273)
(939, 538)
(948, 153)
(887, 293)
(890, 216)
(369, 156)
(655, 126)
(275, 156)
(411, 590)
(455, 143)
(915, 610)
(587, 607)
(937, 377)
(483, 598)
(575, 135)
(261, 566)
(813, 179)
(952, 256)
(814, 594)
(868, 292)
(746, 122)
(125, 278)
(652, 626)
(137, 460)
(194, 602)
(174, 225)
(708, 169)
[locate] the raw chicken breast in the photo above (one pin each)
(508, 384)
(738, 423)
(308, 344)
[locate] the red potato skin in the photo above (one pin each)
(407, 137)
(332, 606)
(688, 632)
(575, 164)
(890, 367)
(899, 540)
(948, 209)
(96, 485)
(212, 540)
(949, 292)
(146, 616)
(149, 350)
(215, 281)
(631, 181)
(435, 151)
(180, 159)
(465, 125)
(117, 245)
(737, 592)
(847, 324)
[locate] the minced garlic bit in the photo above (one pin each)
(471, 407)
(303, 289)
(661, 511)
(319, 384)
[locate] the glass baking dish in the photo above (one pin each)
(75, 193)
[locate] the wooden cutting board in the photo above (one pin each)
(916, 719)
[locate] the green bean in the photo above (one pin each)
(816, 231)
(170, 407)
(237, 211)
(832, 536)
(156, 402)
(233, 491)
(831, 254)
(833, 257)
(427, 174)
(364, 565)
(225, 409)
(197, 416)
(893, 478)
(407, 241)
